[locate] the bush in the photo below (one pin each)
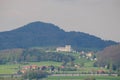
(35, 74)
(90, 78)
(118, 72)
(69, 69)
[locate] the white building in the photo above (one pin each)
(67, 48)
(90, 54)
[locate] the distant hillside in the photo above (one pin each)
(110, 56)
(39, 34)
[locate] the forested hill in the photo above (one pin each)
(48, 35)
(110, 56)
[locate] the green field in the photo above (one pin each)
(68, 78)
(81, 78)
(88, 67)
(8, 68)
(13, 68)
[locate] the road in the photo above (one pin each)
(84, 75)
(16, 75)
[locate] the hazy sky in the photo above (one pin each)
(96, 17)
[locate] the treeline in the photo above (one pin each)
(32, 55)
(10, 55)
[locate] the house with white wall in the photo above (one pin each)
(67, 48)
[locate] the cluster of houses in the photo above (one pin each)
(51, 68)
(24, 69)
(68, 48)
(88, 55)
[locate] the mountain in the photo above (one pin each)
(40, 34)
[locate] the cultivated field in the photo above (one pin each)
(81, 78)
(13, 68)
(86, 69)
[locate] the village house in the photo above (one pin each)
(26, 67)
(89, 54)
(35, 67)
(31, 67)
(100, 71)
(23, 71)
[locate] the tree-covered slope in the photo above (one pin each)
(110, 56)
(45, 34)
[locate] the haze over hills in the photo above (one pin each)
(40, 34)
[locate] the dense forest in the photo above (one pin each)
(110, 57)
(39, 34)
(32, 55)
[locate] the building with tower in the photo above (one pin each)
(67, 48)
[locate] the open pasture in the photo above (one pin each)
(81, 78)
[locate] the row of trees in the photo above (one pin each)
(35, 74)
(32, 55)
(36, 55)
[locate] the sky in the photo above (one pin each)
(96, 17)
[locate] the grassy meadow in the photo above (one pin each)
(13, 68)
(81, 78)
(87, 67)
(68, 78)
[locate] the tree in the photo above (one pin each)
(118, 73)
(34, 74)
(110, 57)
(90, 78)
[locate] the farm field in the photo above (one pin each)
(8, 68)
(13, 68)
(86, 68)
(81, 78)
(88, 65)
(68, 78)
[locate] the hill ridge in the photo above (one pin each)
(46, 34)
